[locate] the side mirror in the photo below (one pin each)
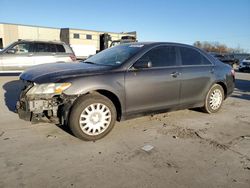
(142, 63)
(11, 51)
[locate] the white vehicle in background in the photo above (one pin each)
(83, 51)
(245, 65)
(23, 54)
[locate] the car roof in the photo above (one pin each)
(47, 41)
(159, 43)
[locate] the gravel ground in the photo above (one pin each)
(190, 148)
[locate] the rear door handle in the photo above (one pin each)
(175, 74)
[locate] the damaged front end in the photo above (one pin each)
(44, 103)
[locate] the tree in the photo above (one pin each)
(217, 47)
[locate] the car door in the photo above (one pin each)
(196, 76)
(18, 57)
(44, 53)
(62, 53)
(156, 87)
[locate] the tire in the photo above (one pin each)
(214, 99)
(92, 117)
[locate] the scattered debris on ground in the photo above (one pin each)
(51, 136)
(147, 148)
(1, 134)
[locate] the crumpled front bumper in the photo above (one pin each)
(37, 108)
(21, 106)
(44, 108)
(23, 113)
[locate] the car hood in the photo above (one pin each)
(54, 72)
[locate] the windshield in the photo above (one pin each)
(115, 56)
(7, 47)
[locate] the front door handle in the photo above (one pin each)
(212, 71)
(175, 74)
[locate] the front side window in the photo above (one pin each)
(191, 56)
(23, 48)
(162, 56)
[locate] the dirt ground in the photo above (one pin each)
(191, 148)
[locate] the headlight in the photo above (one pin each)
(51, 88)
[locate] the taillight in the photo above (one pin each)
(233, 72)
(73, 57)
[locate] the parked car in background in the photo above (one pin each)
(121, 82)
(230, 59)
(245, 65)
(226, 58)
(25, 53)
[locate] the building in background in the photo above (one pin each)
(88, 42)
(12, 32)
(83, 42)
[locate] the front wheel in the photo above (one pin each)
(214, 99)
(92, 117)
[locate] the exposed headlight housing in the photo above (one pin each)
(50, 88)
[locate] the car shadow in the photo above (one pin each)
(242, 89)
(65, 128)
(11, 96)
(12, 92)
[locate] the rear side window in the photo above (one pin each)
(42, 47)
(161, 56)
(192, 57)
(60, 48)
(52, 48)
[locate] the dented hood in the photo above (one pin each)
(54, 72)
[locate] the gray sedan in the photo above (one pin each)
(125, 81)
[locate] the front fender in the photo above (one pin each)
(113, 83)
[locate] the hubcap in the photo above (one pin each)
(95, 119)
(215, 99)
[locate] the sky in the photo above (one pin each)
(184, 21)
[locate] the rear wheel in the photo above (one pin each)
(92, 117)
(214, 99)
